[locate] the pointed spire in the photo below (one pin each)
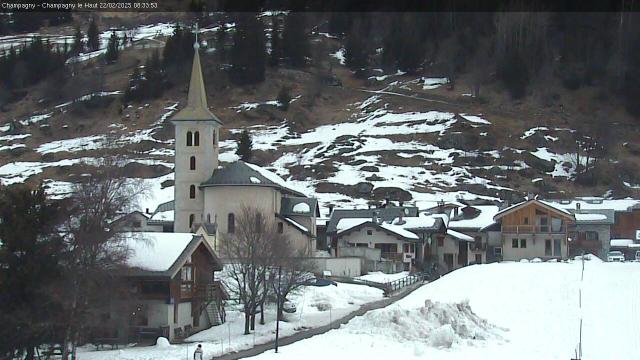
(197, 108)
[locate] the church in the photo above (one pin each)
(210, 196)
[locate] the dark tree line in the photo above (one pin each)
(30, 63)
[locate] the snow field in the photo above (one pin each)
(514, 311)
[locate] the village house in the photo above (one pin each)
(172, 287)
(534, 229)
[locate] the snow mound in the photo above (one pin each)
(436, 323)
(162, 343)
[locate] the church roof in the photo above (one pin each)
(240, 173)
(197, 108)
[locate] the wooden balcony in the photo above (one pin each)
(533, 229)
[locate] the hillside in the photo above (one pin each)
(407, 137)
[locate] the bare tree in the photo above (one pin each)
(250, 249)
(95, 247)
(294, 269)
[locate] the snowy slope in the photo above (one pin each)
(531, 309)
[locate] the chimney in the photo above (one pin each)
(441, 207)
(147, 211)
(577, 205)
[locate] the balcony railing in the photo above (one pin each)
(532, 229)
(392, 256)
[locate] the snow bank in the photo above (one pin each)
(162, 343)
(436, 323)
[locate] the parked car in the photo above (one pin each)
(615, 256)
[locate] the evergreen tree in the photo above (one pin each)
(112, 48)
(31, 251)
(245, 146)
(295, 41)
(356, 55)
(78, 42)
(178, 48)
(248, 56)
(93, 36)
(276, 43)
(221, 40)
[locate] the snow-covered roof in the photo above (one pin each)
(483, 219)
(416, 222)
(592, 203)
(164, 213)
(155, 251)
(346, 224)
(296, 225)
(590, 217)
(459, 235)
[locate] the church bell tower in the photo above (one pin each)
(196, 150)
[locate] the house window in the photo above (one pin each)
(526, 221)
(192, 192)
(187, 275)
(497, 251)
(523, 243)
(280, 228)
(592, 236)
(208, 218)
(440, 241)
(369, 232)
(231, 223)
(189, 138)
(192, 163)
(192, 218)
(514, 243)
(196, 138)
(547, 248)
(214, 137)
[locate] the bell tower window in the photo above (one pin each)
(192, 192)
(192, 163)
(196, 138)
(214, 137)
(189, 138)
(192, 218)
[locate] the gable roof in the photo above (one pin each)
(197, 108)
(241, 173)
(483, 219)
(161, 254)
(386, 214)
(163, 215)
(544, 204)
(348, 225)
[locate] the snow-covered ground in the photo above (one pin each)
(380, 277)
(315, 306)
(531, 312)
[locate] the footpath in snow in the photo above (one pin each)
(497, 311)
(316, 306)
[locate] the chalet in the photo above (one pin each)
(170, 277)
(534, 229)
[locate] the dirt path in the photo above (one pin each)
(259, 349)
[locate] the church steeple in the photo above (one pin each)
(196, 108)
